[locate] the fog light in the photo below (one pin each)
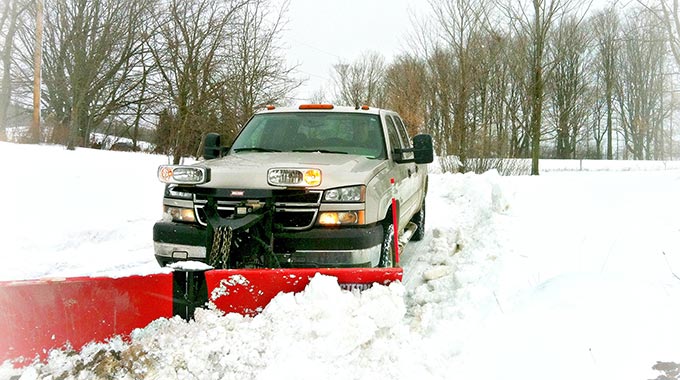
(180, 214)
(328, 218)
(341, 218)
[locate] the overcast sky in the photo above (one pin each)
(320, 34)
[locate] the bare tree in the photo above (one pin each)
(569, 85)
(219, 61)
(493, 104)
(460, 22)
(539, 60)
(143, 104)
(671, 17)
(319, 96)
(90, 61)
(606, 29)
(10, 21)
(641, 90)
(537, 21)
(362, 81)
(517, 103)
(257, 73)
(190, 51)
(440, 84)
(668, 12)
(405, 91)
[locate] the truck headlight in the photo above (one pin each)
(345, 194)
(187, 175)
(180, 214)
(341, 218)
(294, 177)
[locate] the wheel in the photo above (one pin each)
(387, 252)
(419, 220)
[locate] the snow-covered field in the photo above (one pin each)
(568, 275)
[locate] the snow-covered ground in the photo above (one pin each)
(568, 275)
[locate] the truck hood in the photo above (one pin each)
(249, 170)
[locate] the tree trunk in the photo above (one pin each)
(536, 113)
(610, 154)
(6, 84)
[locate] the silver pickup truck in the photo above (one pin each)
(310, 186)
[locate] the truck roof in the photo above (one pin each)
(322, 108)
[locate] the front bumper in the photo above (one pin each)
(318, 247)
(179, 242)
(330, 247)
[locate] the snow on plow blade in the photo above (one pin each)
(40, 315)
(249, 291)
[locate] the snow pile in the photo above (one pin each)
(462, 254)
(451, 287)
(588, 290)
(577, 326)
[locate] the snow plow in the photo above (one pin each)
(301, 191)
(67, 313)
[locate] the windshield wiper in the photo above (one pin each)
(255, 149)
(318, 151)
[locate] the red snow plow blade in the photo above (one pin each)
(249, 291)
(40, 315)
(44, 314)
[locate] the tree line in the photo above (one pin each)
(543, 78)
(186, 67)
(538, 78)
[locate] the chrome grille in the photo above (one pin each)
(293, 210)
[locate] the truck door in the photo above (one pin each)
(404, 174)
(416, 174)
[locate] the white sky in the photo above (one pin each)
(320, 34)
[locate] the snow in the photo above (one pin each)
(568, 275)
(190, 266)
(77, 213)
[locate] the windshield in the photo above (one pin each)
(324, 132)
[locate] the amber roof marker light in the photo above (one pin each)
(316, 106)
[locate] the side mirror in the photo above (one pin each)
(212, 147)
(421, 153)
(422, 149)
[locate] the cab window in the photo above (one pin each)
(393, 135)
(397, 139)
(401, 128)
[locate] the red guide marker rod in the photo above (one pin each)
(395, 222)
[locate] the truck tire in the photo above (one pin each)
(419, 220)
(387, 248)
